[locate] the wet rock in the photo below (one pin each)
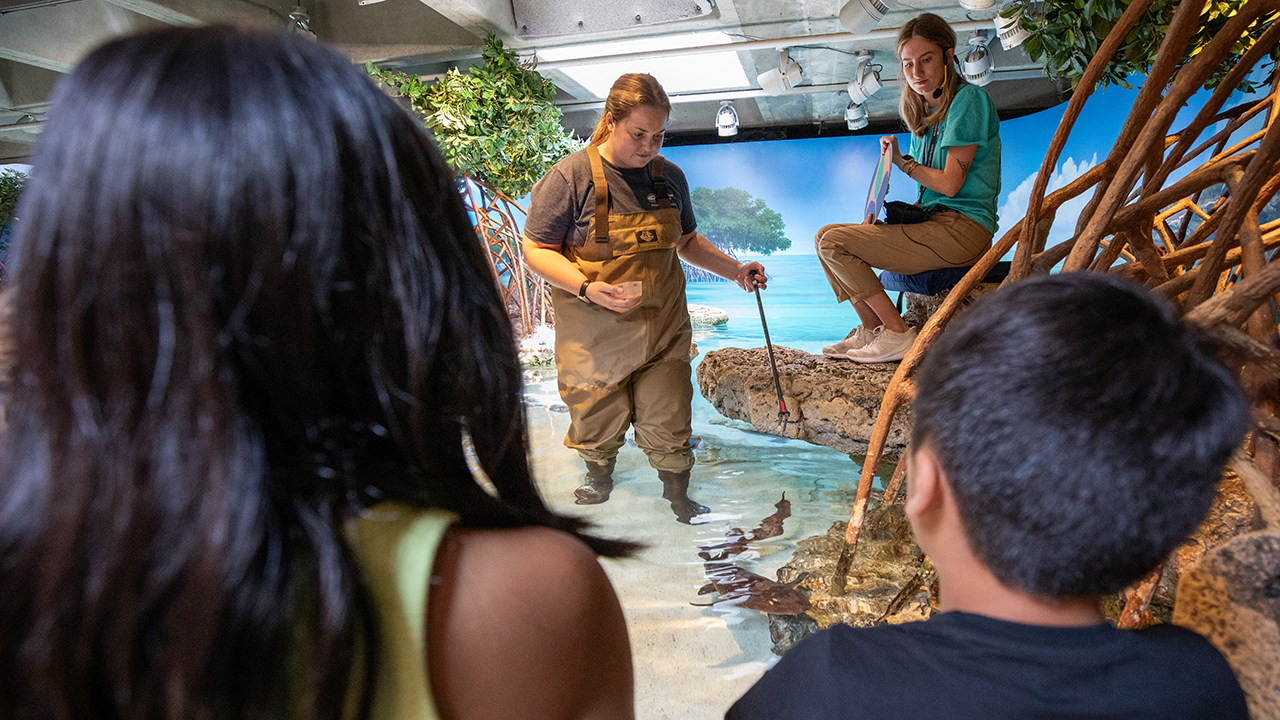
(707, 315)
(787, 630)
(832, 402)
(887, 561)
(1232, 597)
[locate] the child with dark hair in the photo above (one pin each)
(1070, 432)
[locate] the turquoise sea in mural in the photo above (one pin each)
(798, 304)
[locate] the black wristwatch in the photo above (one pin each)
(582, 291)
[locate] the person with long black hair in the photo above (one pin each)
(256, 341)
(955, 159)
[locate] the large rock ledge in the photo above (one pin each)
(832, 402)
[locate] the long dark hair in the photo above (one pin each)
(250, 304)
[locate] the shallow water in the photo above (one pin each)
(693, 662)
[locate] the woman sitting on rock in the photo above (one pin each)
(955, 157)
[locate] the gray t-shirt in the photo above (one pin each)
(563, 202)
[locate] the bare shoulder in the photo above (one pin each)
(524, 623)
(520, 568)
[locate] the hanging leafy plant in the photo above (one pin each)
(11, 182)
(497, 122)
(1066, 34)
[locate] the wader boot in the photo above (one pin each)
(598, 483)
(675, 487)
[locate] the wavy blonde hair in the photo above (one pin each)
(629, 92)
(915, 113)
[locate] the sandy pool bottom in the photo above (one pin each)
(693, 662)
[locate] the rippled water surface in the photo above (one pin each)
(693, 662)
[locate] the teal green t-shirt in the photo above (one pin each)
(971, 120)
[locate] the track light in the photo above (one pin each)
(726, 119)
(972, 5)
(787, 75)
(300, 22)
(859, 16)
(855, 116)
(865, 82)
(1010, 32)
(977, 60)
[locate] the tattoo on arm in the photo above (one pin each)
(964, 169)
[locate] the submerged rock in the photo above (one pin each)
(832, 402)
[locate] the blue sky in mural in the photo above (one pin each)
(818, 181)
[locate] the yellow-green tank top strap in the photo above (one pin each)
(396, 546)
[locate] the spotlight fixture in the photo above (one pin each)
(977, 60)
(859, 16)
(787, 75)
(855, 116)
(726, 119)
(866, 80)
(300, 22)
(972, 5)
(1009, 31)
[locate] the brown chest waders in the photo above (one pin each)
(627, 369)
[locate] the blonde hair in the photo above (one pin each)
(912, 106)
(629, 92)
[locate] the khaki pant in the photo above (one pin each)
(656, 398)
(848, 252)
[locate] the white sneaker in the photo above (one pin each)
(886, 346)
(858, 337)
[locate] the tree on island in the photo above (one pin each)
(736, 222)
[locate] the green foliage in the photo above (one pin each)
(735, 222)
(1069, 32)
(497, 123)
(11, 182)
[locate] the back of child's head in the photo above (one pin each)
(1082, 428)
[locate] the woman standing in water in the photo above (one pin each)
(955, 158)
(607, 227)
(257, 336)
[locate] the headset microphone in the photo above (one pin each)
(938, 93)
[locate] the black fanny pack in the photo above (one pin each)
(897, 212)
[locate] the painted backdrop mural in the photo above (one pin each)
(813, 182)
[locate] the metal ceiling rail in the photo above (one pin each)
(746, 45)
(767, 44)
(581, 105)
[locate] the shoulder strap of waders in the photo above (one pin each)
(602, 194)
(656, 166)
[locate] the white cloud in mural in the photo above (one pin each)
(1064, 225)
